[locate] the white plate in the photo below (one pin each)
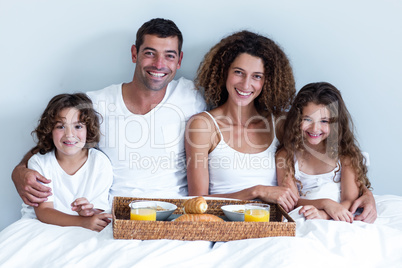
(163, 215)
(229, 211)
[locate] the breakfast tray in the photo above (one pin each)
(124, 228)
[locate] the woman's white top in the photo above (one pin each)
(231, 171)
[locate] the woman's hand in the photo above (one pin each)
(283, 196)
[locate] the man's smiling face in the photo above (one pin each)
(157, 61)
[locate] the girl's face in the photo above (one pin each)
(245, 79)
(69, 134)
(315, 123)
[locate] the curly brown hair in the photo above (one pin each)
(88, 116)
(340, 143)
(279, 86)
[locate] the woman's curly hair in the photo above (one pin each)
(88, 116)
(340, 143)
(279, 86)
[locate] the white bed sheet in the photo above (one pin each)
(318, 243)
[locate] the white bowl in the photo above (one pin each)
(164, 214)
(230, 212)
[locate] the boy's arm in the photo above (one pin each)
(47, 214)
(27, 183)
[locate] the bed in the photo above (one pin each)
(318, 243)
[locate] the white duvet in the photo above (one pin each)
(318, 243)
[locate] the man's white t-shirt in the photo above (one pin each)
(92, 181)
(147, 151)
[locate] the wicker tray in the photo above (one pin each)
(124, 228)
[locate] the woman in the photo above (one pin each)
(248, 81)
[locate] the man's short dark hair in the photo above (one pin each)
(162, 28)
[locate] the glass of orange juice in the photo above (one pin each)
(256, 212)
(142, 210)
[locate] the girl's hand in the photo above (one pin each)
(311, 212)
(96, 222)
(338, 212)
(83, 207)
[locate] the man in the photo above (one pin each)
(143, 124)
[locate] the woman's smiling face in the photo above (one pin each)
(245, 79)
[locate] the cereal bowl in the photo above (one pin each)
(234, 212)
(164, 210)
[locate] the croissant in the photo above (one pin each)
(198, 217)
(196, 205)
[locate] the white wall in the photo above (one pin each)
(50, 47)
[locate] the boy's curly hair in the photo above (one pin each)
(279, 86)
(340, 143)
(88, 116)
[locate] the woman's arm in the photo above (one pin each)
(286, 181)
(198, 143)
(47, 214)
(271, 194)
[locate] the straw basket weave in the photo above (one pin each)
(124, 228)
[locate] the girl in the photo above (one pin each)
(67, 131)
(319, 158)
(230, 150)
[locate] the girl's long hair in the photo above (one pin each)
(341, 142)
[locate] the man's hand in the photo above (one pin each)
(367, 202)
(27, 183)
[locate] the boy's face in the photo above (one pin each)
(69, 134)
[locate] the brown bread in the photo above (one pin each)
(198, 217)
(196, 205)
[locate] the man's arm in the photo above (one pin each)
(27, 183)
